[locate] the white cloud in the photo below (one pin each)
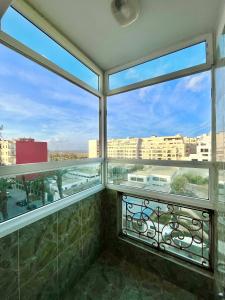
(196, 83)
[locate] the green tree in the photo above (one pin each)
(178, 186)
(196, 179)
(38, 186)
(59, 181)
(26, 189)
(5, 184)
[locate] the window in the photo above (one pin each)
(14, 24)
(43, 116)
(155, 178)
(23, 193)
(140, 179)
(182, 59)
(190, 182)
(163, 121)
(178, 230)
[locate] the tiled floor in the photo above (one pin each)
(113, 279)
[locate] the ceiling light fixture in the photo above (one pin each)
(125, 11)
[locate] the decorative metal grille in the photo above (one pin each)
(180, 230)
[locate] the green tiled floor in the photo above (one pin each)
(110, 278)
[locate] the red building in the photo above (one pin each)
(31, 151)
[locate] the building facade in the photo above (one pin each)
(93, 148)
(31, 151)
(167, 148)
(176, 147)
(22, 151)
(203, 149)
(7, 152)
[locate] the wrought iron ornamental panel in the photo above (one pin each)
(180, 230)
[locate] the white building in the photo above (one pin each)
(93, 148)
(156, 178)
(203, 152)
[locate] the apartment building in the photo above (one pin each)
(167, 148)
(31, 151)
(203, 149)
(220, 143)
(22, 151)
(159, 148)
(93, 148)
(7, 152)
(124, 148)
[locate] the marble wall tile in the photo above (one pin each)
(70, 267)
(9, 266)
(69, 226)
(43, 286)
(51, 254)
(37, 247)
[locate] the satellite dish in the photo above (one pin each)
(125, 11)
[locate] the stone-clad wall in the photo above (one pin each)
(44, 259)
(166, 269)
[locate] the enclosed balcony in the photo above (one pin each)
(112, 149)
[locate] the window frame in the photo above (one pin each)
(207, 38)
(33, 16)
(22, 220)
(168, 255)
(212, 165)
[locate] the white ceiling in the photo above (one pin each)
(90, 25)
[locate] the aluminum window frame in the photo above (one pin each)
(32, 15)
(207, 38)
(211, 165)
(20, 48)
(198, 202)
(22, 220)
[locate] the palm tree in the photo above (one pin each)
(4, 185)
(38, 185)
(26, 189)
(59, 175)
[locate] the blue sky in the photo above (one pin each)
(178, 106)
(35, 102)
(21, 29)
(175, 61)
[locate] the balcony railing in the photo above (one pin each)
(183, 231)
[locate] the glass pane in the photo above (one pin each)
(176, 61)
(23, 193)
(221, 185)
(43, 116)
(182, 231)
(166, 121)
(220, 125)
(14, 24)
(191, 182)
